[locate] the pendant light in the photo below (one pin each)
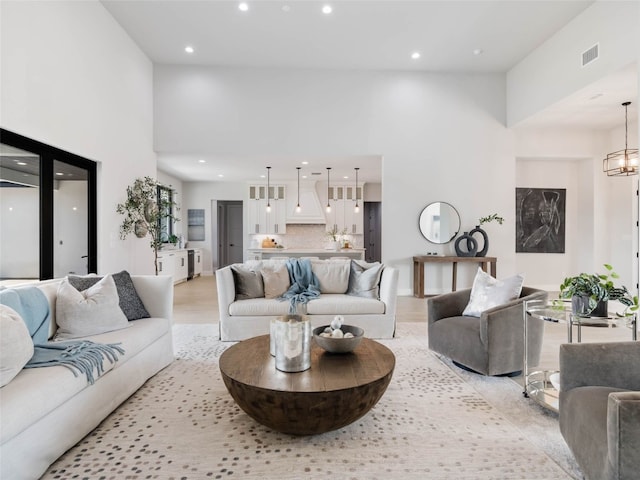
(298, 207)
(357, 207)
(623, 162)
(328, 188)
(268, 185)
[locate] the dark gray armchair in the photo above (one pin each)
(492, 344)
(600, 407)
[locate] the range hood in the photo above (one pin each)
(311, 212)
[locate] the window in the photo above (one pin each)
(165, 202)
(48, 218)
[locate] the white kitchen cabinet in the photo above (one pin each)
(261, 221)
(197, 262)
(343, 216)
(166, 263)
(181, 270)
(254, 255)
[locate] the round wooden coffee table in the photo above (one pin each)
(336, 391)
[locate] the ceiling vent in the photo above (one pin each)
(590, 55)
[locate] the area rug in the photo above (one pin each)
(430, 424)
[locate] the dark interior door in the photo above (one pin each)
(230, 243)
(373, 231)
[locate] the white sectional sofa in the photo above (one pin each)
(45, 411)
(244, 318)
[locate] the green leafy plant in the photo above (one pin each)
(599, 288)
(334, 233)
(491, 218)
(143, 211)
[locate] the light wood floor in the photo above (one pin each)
(196, 301)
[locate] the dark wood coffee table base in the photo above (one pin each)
(337, 390)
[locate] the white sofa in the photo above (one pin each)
(46, 411)
(242, 319)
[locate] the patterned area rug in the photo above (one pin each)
(430, 424)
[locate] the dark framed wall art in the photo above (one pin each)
(540, 220)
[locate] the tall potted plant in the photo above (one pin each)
(143, 210)
(590, 293)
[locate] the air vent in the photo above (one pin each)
(590, 55)
(316, 173)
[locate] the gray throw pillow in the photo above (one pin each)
(248, 282)
(364, 279)
(128, 298)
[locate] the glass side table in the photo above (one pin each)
(540, 378)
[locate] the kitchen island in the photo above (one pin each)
(266, 253)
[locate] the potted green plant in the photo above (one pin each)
(590, 293)
(334, 234)
(143, 210)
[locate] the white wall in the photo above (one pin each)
(70, 77)
(442, 138)
(554, 70)
(204, 195)
(601, 211)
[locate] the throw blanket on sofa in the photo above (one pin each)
(304, 284)
(79, 356)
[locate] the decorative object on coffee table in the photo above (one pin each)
(293, 343)
(352, 336)
(336, 391)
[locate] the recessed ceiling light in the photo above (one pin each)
(415, 55)
(305, 163)
(75, 208)
(345, 177)
(327, 9)
(243, 6)
(478, 51)
(59, 173)
(189, 49)
(20, 163)
(263, 176)
(304, 176)
(202, 161)
(220, 175)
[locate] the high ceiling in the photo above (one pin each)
(450, 35)
(356, 35)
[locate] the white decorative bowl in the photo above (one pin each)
(339, 345)
(554, 378)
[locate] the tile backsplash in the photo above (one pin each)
(304, 236)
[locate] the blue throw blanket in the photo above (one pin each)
(79, 356)
(304, 284)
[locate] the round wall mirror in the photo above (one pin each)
(439, 222)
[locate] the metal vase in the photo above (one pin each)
(293, 343)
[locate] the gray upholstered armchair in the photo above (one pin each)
(492, 344)
(600, 407)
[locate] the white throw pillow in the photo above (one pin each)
(488, 292)
(16, 345)
(332, 275)
(90, 312)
